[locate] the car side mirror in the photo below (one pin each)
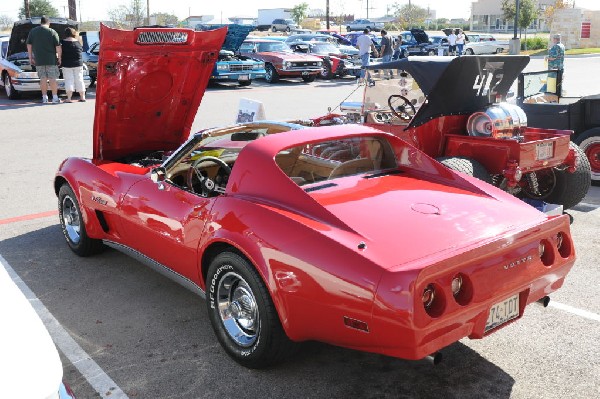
(158, 176)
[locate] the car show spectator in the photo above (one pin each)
(556, 54)
(451, 43)
(72, 65)
(365, 46)
(43, 46)
(386, 52)
(460, 42)
(397, 48)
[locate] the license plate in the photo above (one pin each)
(502, 312)
(243, 78)
(544, 150)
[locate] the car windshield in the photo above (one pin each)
(289, 21)
(327, 160)
(324, 48)
(264, 47)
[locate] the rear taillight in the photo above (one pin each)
(428, 296)
(433, 300)
(456, 284)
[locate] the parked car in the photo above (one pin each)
(280, 61)
(231, 65)
(90, 58)
(439, 42)
(16, 73)
(479, 43)
(461, 123)
(335, 63)
(540, 96)
(362, 24)
(353, 37)
(348, 50)
(4, 46)
(195, 209)
(30, 364)
(283, 25)
(416, 42)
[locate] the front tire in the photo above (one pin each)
(271, 75)
(467, 166)
(243, 315)
(273, 29)
(326, 72)
(10, 90)
(73, 225)
(589, 142)
(309, 78)
(245, 82)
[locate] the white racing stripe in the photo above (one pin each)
(95, 376)
(578, 312)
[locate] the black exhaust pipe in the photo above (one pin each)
(544, 301)
(435, 358)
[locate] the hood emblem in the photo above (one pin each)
(518, 262)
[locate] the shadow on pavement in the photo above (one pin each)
(154, 339)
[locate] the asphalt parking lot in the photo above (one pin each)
(125, 331)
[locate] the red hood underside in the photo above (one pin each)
(150, 84)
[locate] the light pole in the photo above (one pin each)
(514, 46)
(148, 11)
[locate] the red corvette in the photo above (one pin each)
(342, 234)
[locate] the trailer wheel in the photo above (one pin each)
(589, 142)
(467, 166)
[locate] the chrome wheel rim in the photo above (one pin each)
(71, 219)
(8, 86)
(269, 74)
(237, 309)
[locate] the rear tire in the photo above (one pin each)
(467, 166)
(73, 225)
(10, 90)
(243, 315)
(571, 188)
(271, 75)
(469, 51)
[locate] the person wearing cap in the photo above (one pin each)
(556, 54)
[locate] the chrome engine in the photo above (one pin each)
(500, 121)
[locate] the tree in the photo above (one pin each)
(5, 22)
(37, 8)
(299, 12)
(409, 15)
(558, 5)
(128, 16)
(528, 12)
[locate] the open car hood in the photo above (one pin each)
(21, 29)
(150, 84)
(236, 34)
(420, 36)
(459, 85)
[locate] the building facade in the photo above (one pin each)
(578, 27)
(487, 16)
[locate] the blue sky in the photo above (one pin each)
(95, 10)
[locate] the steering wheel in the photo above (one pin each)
(401, 107)
(207, 186)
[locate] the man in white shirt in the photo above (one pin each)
(451, 43)
(365, 46)
(460, 42)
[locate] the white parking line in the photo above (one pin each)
(578, 312)
(95, 376)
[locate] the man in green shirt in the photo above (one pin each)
(43, 46)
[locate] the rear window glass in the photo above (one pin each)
(327, 160)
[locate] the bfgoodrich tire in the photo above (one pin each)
(242, 313)
(571, 188)
(468, 166)
(73, 226)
